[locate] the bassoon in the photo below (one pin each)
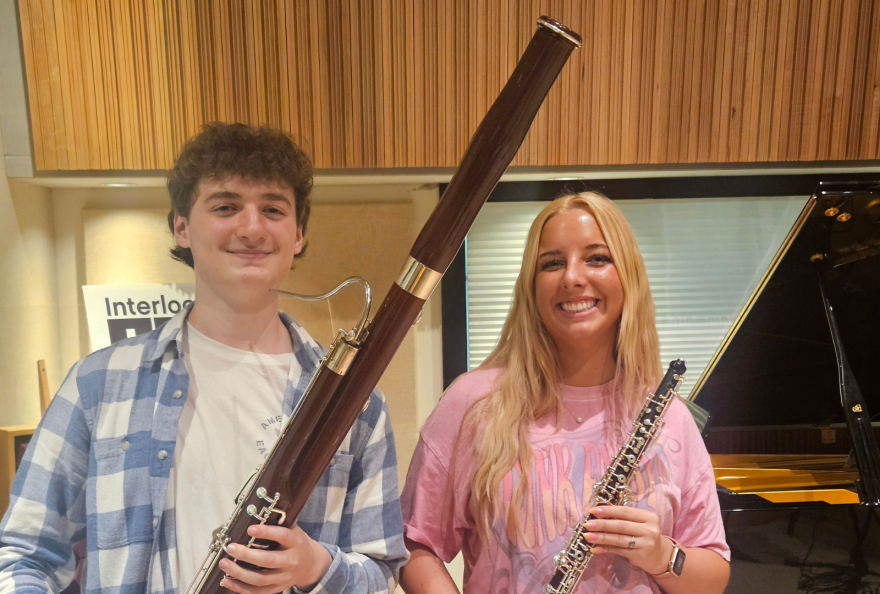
(356, 359)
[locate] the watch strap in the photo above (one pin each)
(676, 561)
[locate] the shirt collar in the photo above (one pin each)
(304, 346)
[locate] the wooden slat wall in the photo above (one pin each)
(119, 84)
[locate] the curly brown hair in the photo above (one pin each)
(225, 150)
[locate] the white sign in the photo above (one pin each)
(115, 312)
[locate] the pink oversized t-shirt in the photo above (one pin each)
(675, 480)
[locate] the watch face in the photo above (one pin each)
(678, 562)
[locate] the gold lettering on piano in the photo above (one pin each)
(857, 408)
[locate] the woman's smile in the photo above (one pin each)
(579, 306)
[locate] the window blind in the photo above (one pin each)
(704, 259)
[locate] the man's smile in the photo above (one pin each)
(250, 254)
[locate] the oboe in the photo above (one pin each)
(614, 487)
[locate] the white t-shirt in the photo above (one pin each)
(231, 419)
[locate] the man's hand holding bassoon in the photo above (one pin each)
(298, 561)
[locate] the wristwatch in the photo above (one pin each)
(676, 562)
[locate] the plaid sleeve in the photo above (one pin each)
(370, 549)
(47, 510)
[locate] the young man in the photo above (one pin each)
(147, 442)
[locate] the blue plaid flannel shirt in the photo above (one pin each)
(93, 471)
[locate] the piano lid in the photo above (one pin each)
(777, 365)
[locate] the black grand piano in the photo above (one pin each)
(794, 398)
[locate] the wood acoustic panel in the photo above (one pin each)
(121, 84)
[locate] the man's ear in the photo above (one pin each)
(181, 231)
(298, 245)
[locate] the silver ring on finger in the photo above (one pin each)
(632, 543)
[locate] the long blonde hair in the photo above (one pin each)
(528, 386)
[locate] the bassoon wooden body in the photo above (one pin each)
(356, 360)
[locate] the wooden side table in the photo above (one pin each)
(12, 440)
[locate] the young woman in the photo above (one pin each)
(506, 463)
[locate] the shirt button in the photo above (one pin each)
(163, 454)
(155, 522)
(177, 394)
(333, 462)
(125, 445)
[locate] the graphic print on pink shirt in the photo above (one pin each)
(563, 474)
(567, 464)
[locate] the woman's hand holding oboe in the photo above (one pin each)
(632, 533)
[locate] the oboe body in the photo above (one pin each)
(613, 488)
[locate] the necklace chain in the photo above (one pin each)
(576, 418)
